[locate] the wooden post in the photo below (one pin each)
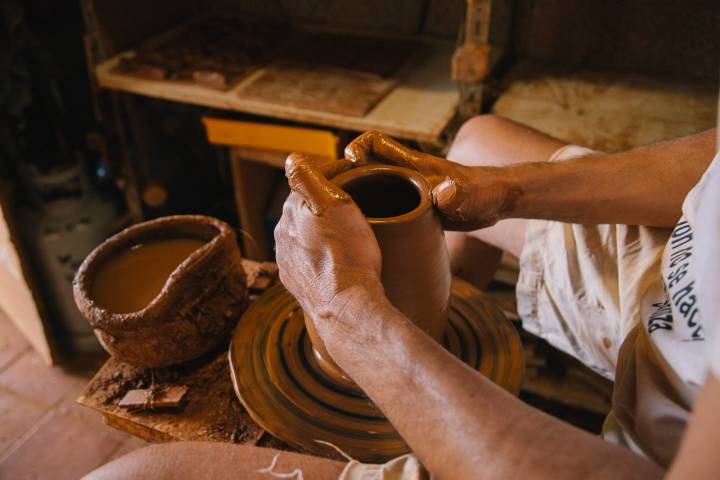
(253, 184)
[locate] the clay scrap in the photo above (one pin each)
(214, 52)
(155, 398)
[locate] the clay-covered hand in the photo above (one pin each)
(325, 248)
(468, 198)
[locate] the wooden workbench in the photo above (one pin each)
(418, 108)
(211, 411)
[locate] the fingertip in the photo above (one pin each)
(293, 162)
(355, 153)
(306, 179)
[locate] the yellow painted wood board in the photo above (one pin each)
(270, 137)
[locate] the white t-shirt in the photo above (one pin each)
(679, 332)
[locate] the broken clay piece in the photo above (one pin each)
(157, 398)
(194, 312)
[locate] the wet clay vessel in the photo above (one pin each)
(415, 265)
(196, 301)
(282, 372)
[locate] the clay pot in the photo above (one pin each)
(415, 264)
(197, 307)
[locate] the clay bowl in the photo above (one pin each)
(416, 273)
(196, 308)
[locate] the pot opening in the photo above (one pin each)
(128, 281)
(383, 195)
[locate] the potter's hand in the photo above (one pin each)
(468, 198)
(325, 248)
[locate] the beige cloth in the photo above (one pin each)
(628, 302)
(406, 467)
(580, 286)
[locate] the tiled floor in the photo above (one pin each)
(43, 432)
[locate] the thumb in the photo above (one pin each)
(454, 200)
(448, 196)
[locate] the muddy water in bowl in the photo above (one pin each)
(165, 291)
(130, 281)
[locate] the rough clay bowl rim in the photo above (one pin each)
(102, 318)
(415, 178)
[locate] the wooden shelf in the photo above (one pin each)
(419, 108)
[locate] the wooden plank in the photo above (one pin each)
(17, 297)
(319, 89)
(12, 342)
(212, 412)
(419, 108)
(252, 185)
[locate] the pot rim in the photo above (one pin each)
(102, 318)
(417, 179)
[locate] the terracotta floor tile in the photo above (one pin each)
(30, 376)
(12, 343)
(17, 415)
(67, 445)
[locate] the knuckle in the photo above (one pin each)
(279, 232)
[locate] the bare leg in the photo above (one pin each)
(489, 140)
(190, 460)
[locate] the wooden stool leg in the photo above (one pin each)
(253, 183)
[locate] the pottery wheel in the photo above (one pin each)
(282, 387)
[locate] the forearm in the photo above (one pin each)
(456, 420)
(643, 186)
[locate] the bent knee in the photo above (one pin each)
(487, 125)
(479, 135)
(491, 140)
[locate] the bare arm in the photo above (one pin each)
(697, 457)
(643, 186)
(457, 422)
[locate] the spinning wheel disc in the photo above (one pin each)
(278, 380)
